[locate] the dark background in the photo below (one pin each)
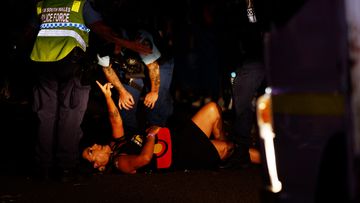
(312, 28)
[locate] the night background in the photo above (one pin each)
(307, 61)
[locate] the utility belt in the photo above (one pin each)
(131, 82)
(129, 67)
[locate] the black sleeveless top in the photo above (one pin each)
(125, 145)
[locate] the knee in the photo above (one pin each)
(214, 109)
(211, 105)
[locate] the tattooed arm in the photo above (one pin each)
(114, 115)
(126, 100)
(154, 74)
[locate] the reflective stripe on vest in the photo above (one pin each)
(63, 33)
(79, 26)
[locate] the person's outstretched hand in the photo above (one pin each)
(106, 89)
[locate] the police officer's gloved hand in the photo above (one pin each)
(103, 61)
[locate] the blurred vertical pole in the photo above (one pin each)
(353, 20)
(308, 70)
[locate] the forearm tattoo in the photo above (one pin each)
(113, 78)
(154, 74)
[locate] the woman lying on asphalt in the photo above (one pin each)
(200, 143)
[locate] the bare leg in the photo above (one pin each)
(218, 130)
(209, 120)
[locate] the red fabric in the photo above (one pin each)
(163, 149)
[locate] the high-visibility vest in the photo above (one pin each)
(62, 29)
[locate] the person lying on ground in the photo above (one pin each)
(200, 143)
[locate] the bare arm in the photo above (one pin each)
(111, 77)
(154, 74)
(106, 33)
(130, 163)
(114, 115)
(126, 100)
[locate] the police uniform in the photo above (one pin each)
(60, 100)
(129, 117)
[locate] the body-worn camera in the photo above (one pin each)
(130, 63)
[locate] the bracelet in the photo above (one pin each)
(150, 135)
